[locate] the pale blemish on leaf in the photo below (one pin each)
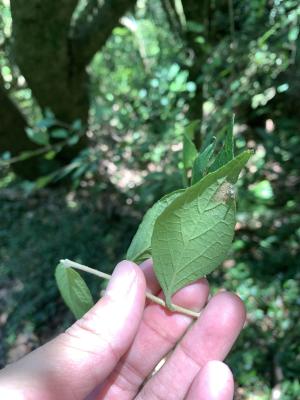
(225, 193)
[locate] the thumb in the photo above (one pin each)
(82, 357)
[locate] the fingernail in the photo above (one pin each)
(122, 279)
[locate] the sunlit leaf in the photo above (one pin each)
(50, 155)
(263, 190)
(192, 236)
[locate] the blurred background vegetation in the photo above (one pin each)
(94, 98)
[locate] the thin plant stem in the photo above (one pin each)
(72, 264)
(37, 152)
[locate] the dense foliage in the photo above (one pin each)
(162, 67)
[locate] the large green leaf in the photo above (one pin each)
(140, 247)
(73, 290)
(192, 236)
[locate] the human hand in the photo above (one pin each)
(112, 350)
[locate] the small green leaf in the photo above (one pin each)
(6, 155)
(80, 171)
(43, 181)
(38, 136)
(46, 123)
(49, 114)
(73, 290)
(293, 33)
(195, 27)
(200, 39)
(50, 155)
(59, 133)
(192, 236)
(77, 125)
(189, 149)
(73, 140)
(201, 163)
(226, 153)
(140, 247)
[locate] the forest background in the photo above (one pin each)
(94, 98)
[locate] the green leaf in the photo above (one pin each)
(43, 181)
(192, 236)
(77, 125)
(50, 155)
(59, 133)
(74, 290)
(189, 149)
(293, 33)
(46, 123)
(49, 114)
(73, 140)
(140, 247)
(6, 155)
(226, 153)
(201, 162)
(195, 27)
(38, 136)
(200, 39)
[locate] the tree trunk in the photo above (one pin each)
(52, 54)
(46, 61)
(13, 124)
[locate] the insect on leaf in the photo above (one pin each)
(227, 152)
(201, 162)
(73, 290)
(192, 236)
(140, 247)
